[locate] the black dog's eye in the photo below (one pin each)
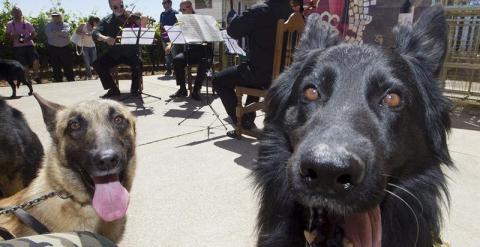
(74, 125)
(311, 94)
(118, 120)
(392, 100)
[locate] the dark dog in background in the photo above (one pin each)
(11, 71)
(21, 152)
(355, 138)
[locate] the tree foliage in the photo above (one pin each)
(39, 22)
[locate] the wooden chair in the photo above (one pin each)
(287, 37)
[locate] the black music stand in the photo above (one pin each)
(139, 36)
(185, 32)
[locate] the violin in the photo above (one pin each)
(135, 19)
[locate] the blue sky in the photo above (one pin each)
(151, 8)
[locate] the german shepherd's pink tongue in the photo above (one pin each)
(110, 200)
(364, 229)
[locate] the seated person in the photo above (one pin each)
(107, 31)
(258, 24)
(193, 54)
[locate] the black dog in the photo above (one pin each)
(355, 137)
(12, 70)
(21, 151)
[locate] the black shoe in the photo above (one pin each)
(233, 134)
(182, 92)
(111, 93)
(196, 96)
(168, 73)
(38, 80)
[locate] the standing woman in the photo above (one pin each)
(87, 45)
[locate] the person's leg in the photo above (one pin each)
(135, 64)
(168, 60)
(67, 63)
(87, 53)
(224, 84)
(35, 62)
(202, 69)
(54, 57)
(103, 65)
(179, 65)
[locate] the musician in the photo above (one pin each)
(194, 54)
(106, 32)
(258, 24)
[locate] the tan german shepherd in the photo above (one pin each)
(92, 158)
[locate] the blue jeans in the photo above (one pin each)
(89, 56)
(169, 57)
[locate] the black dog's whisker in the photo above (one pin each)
(410, 193)
(411, 209)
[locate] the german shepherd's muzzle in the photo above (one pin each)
(92, 158)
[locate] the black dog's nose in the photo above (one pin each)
(331, 172)
(106, 159)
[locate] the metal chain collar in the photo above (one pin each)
(31, 203)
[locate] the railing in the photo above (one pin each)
(461, 72)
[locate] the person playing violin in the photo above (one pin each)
(106, 32)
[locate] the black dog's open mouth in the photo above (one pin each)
(358, 229)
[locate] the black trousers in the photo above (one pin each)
(191, 57)
(61, 57)
(105, 63)
(224, 83)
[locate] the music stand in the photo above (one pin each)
(141, 35)
(197, 29)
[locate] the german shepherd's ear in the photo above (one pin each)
(317, 34)
(424, 43)
(49, 112)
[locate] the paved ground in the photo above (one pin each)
(192, 186)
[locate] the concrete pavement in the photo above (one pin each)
(192, 186)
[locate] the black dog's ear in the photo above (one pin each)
(426, 41)
(317, 34)
(49, 112)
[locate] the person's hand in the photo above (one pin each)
(168, 48)
(109, 40)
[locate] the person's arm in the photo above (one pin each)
(49, 31)
(242, 25)
(97, 33)
(10, 32)
(80, 29)
(65, 32)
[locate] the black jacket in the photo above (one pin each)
(110, 26)
(258, 24)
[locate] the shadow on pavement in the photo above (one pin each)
(466, 117)
(247, 148)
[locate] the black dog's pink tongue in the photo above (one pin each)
(110, 200)
(364, 229)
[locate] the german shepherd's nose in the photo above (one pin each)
(330, 170)
(105, 160)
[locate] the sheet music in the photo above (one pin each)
(129, 36)
(232, 44)
(175, 34)
(199, 28)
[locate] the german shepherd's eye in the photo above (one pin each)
(311, 94)
(74, 125)
(392, 100)
(118, 120)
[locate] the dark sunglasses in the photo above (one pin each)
(117, 7)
